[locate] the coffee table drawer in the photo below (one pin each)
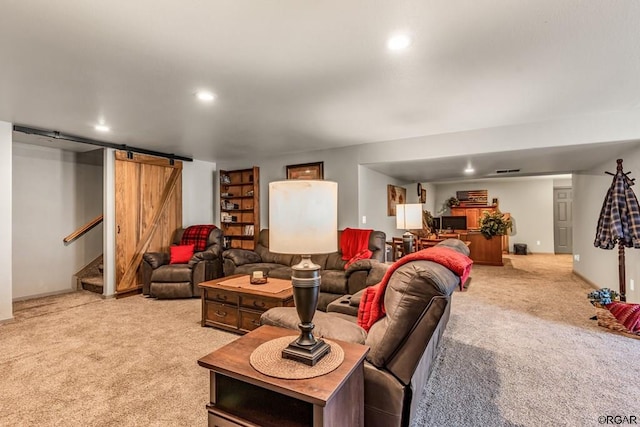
(249, 320)
(222, 313)
(228, 297)
(257, 302)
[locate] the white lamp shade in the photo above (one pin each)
(409, 216)
(303, 217)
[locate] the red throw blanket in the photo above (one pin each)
(354, 241)
(371, 307)
(197, 235)
(627, 314)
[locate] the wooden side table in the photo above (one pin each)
(242, 396)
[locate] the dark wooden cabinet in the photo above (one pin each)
(240, 207)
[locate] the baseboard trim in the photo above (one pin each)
(46, 294)
(7, 321)
(587, 281)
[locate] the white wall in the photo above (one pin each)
(6, 289)
(600, 266)
(529, 201)
(199, 194)
(53, 195)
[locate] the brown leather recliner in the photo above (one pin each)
(164, 280)
(403, 344)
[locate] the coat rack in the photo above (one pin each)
(619, 221)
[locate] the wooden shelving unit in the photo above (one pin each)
(240, 207)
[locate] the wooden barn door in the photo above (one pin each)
(148, 203)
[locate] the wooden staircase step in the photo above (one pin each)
(93, 283)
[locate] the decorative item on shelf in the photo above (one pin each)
(494, 202)
(226, 195)
(428, 223)
(494, 224)
(248, 230)
(225, 204)
(306, 171)
(225, 179)
(249, 193)
(226, 242)
(409, 216)
(227, 217)
(303, 219)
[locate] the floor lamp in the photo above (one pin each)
(303, 219)
(408, 216)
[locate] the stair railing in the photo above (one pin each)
(82, 230)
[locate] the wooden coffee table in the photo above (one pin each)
(242, 396)
(238, 309)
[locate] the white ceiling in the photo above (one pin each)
(300, 75)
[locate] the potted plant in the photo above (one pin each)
(494, 224)
(453, 201)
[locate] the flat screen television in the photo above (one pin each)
(453, 222)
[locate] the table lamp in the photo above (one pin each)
(303, 219)
(408, 216)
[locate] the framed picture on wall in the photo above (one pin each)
(306, 171)
(423, 196)
(395, 195)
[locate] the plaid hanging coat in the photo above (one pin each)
(619, 220)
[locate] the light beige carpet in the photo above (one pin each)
(79, 360)
(519, 350)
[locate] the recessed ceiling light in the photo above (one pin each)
(399, 42)
(102, 128)
(469, 169)
(205, 96)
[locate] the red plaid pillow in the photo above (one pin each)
(180, 254)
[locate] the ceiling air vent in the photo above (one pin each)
(508, 171)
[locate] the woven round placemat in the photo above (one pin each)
(267, 359)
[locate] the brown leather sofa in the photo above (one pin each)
(164, 280)
(336, 281)
(403, 344)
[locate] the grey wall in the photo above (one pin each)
(600, 266)
(339, 166)
(6, 290)
(373, 201)
(199, 194)
(529, 201)
(53, 195)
